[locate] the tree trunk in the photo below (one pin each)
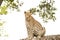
(1, 2)
(49, 37)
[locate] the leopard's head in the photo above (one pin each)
(27, 14)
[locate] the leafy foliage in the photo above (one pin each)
(9, 4)
(45, 10)
(3, 10)
(1, 23)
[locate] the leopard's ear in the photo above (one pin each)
(30, 13)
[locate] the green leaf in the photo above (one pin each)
(53, 8)
(53, 13)
(43, 15)
(33, 10)
(46, 15)
(10, 0)
(3, 10)
(38, 10)
(40, 6)
(44, 2)
(1, 24)
(48, 12)
(54, 18)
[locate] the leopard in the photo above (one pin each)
(34, 28)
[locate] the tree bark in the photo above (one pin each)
(1, 2)
(49, 37)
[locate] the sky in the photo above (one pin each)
(15, 21)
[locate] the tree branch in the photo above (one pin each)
(1, 2)
(49, 37)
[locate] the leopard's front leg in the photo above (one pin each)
(30, 34)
